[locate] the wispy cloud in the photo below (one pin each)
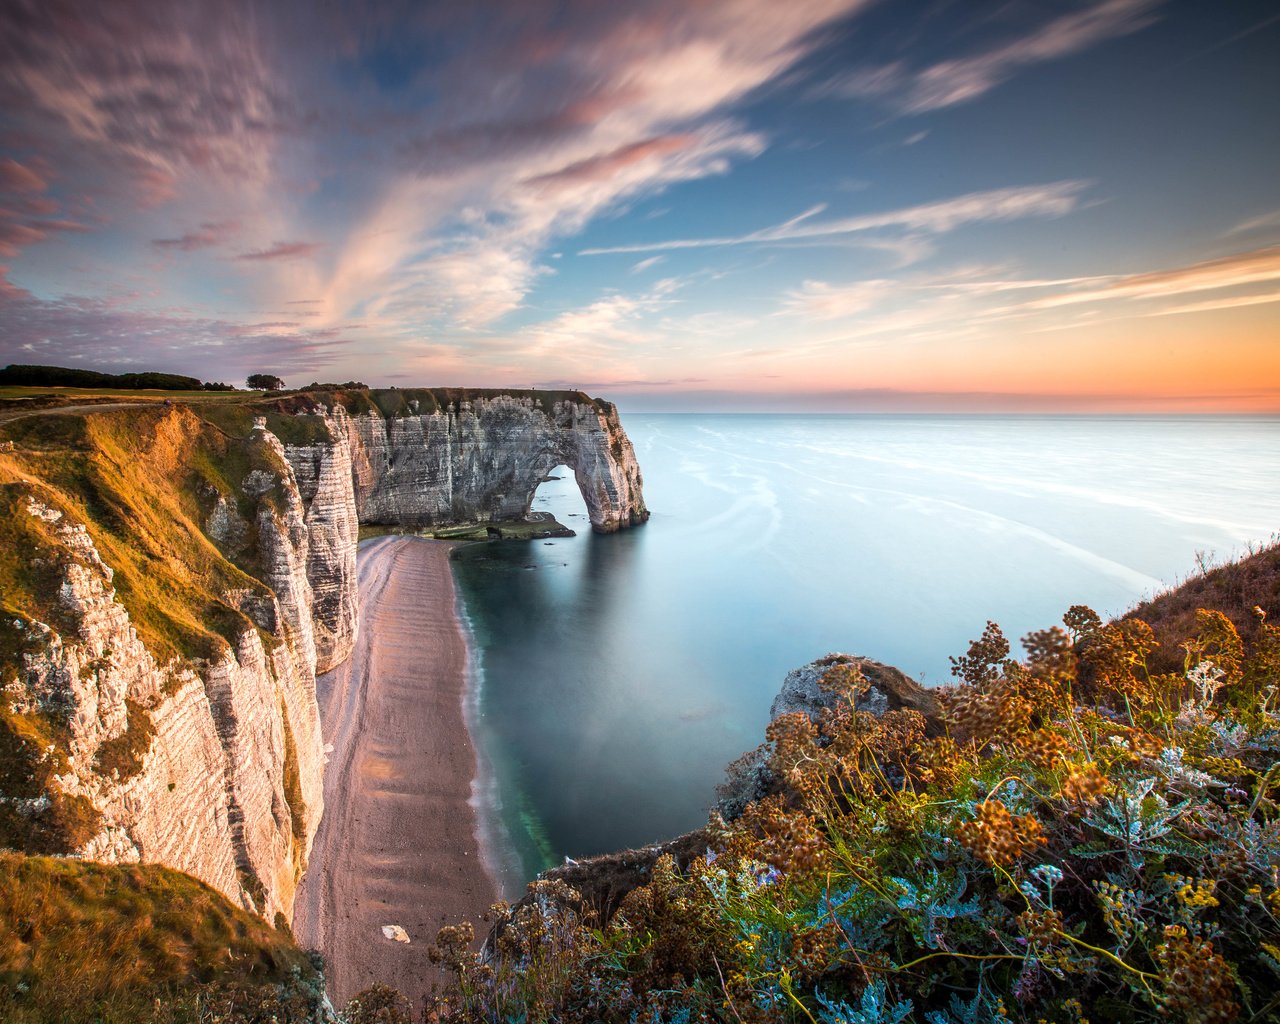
(947, 83)
(1263, 222)
(607, 166)
(208, 235)
(27, 214)
(646, 264)
(1225, 303)
(284, 251)
(147, 90)
(1225, 272)
(1052, 200)
(17, 177)
(959, 300)
(821, 300)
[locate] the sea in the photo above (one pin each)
(614, 677)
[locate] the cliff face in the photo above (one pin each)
(178, 585)
(476, 459)
(214, 772)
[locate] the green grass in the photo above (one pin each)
(139, 944)
(10, 393)
(143, 483)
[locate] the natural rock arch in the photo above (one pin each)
(483, 457)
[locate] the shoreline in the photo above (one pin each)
(401, 844)
(497, 851)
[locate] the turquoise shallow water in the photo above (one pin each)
(618, 675)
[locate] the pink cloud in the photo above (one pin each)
(207, 236)
(283, 251)
(16, 177)
(18, 231)
(145, 90)
(608, 165)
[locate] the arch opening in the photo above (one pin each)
(558, 498)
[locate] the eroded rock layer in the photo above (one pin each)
(210, 760)
(216, 772)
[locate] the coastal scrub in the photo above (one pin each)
(1088, 838)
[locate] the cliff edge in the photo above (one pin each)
(173, 578)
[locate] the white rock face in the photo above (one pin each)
(478, 463)
(485, 460)
(326, 488)
(230, 788)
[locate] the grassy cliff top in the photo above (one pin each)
(1235, 589)
(142, 481)
(137, 944)
(400, 401)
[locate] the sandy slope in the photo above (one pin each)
(397, 843)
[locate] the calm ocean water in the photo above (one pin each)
(618, 675)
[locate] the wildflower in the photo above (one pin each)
(1084, 784)
(1041, 927)
(1044, 747)
(1193, 893)
(995, 836)
(1121, 912)
(1198, 987)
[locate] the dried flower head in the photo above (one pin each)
(1198, 986)
(995, 836)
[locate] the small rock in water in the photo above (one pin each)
(394, 931)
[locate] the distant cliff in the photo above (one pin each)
(174, 578)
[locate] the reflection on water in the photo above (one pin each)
(621, 673)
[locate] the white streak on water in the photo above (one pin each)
(497, 851)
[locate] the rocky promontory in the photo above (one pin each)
(175, 577)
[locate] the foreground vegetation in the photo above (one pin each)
(1089, 840)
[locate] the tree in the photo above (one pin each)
(264, 382)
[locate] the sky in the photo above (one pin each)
(816, 205)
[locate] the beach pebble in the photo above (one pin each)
(394, 931)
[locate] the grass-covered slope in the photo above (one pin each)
(1235, 589)
(142, 482)
(134, 944)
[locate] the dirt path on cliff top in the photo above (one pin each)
(397, 842)
(70, 410)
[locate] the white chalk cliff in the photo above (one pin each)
(228, 784)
